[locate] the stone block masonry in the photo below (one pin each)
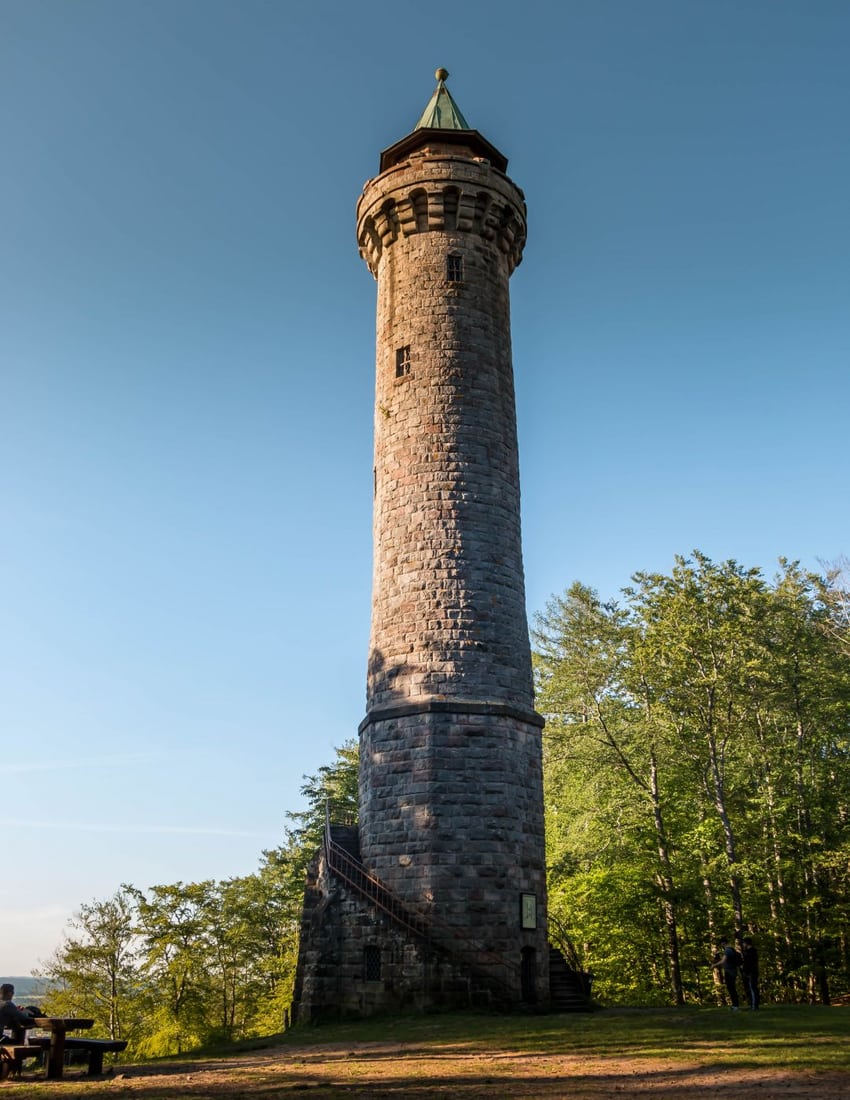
(448, 902)
(451, 820)
(448, 612)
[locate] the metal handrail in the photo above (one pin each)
(351, 871)
(447, 939)
(559, 937)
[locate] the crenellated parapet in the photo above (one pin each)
(448, 194)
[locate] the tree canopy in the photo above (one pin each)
(697, 785)
(697, 780)
(183, 965)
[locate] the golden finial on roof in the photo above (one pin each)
(442, 74)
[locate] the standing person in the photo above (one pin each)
(750, 972)
(727, 962)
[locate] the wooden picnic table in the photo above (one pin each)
(59, 1026)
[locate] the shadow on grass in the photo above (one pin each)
(682, 1083)
(795, 1053)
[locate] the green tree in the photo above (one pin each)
(698, 641)
(176, 966)
(600, 716)
(707, 718)
(95, 970)
(173, 924)
(332, 790)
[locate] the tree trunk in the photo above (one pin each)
(665, 882)
(717, 794)
(708, 891)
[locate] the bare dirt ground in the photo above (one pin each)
(375, 1071)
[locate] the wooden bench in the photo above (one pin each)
(12, 1057)
(95, 1048)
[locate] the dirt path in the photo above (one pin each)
(375, 1071)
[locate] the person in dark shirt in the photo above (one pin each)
(750, 972)
(17, 1020)
(727, 962)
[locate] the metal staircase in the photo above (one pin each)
(569, 984)
(341, 850)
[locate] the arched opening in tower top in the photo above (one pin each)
(419, 201)
(451, 199)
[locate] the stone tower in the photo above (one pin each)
(451, 805)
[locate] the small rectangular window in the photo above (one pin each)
(454, 267)
(402, 361)
(371, 963)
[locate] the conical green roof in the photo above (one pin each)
(442, 123)
(442, 113)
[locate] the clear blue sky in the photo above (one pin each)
(186, 358)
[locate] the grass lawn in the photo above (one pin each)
(792, 1052)
(811, 1038)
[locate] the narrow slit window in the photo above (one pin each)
(402, 361)
(371, 963)
(454, 267)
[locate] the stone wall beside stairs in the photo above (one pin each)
(341, 932)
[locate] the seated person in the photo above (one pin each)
(17, 1020)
